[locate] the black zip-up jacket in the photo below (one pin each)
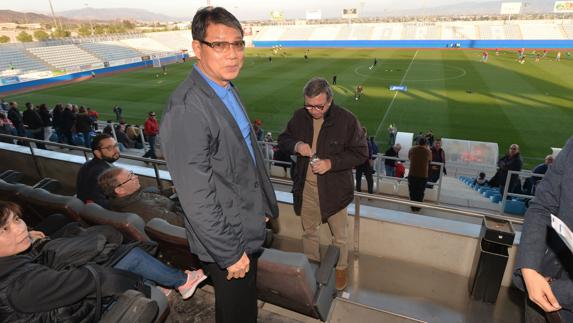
(341, 140)
(52, 285)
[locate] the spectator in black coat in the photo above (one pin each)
(34, 123)
(511, 161)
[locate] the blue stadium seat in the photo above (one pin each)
(515, 207)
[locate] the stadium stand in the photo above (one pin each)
(356, 32)
(499, 31)
(20, 60)
(456, 31)
(387, 32)
(421, 32)
(64, 56)
(329, 32)
(175, 40)
(541, 31)
(146, 46)
(110, 50)
(568, 31)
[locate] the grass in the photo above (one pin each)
(449, 91)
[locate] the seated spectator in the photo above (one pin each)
(284, 158)
(125, 195)
(531, 182)
(122, 137)
(51, 280)
(400, 170)
(480, 180)
(134, 134)
(106, 152)
(390, 164)
(510, 162)
(7, 128)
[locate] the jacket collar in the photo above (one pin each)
(121, 202)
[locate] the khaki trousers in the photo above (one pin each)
(311, 220)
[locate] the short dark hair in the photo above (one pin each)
(422, 141)
(316, 86)
(97, 140)
(213, 15)
(6, 208)
(107, 181)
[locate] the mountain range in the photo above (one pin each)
(107, 14)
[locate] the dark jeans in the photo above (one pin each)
(151, 152)
(140, 262)
(87, 139)
(235, 299)
(365, 169)
(38, 134)
(390, 170)
(417, 186)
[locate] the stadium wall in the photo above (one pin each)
(507, 43)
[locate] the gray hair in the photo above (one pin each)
(316, 86)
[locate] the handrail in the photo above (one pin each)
(357, 195)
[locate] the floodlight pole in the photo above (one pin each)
(53, 15)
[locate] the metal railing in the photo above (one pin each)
(507, 194)
(358, 196)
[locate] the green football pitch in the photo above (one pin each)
(449, 91)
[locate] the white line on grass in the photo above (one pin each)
(395, 95)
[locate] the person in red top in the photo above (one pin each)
(151, 130)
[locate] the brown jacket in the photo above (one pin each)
(420, 158)
(341, 140)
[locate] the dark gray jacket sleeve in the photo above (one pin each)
(188, 146)
(548, 199)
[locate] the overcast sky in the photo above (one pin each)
(243, 9)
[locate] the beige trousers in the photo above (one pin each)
(311, 220)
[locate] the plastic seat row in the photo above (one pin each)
(285, 279)
(512, 206)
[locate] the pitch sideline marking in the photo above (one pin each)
(395, 95)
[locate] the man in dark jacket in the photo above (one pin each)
(438, 156)
(217, 166)
(511, 161)
(420, 157)
(67, 122)
(390, 164)
(543, 262)
(124, 191)
(329, 142)
(34, 123)
(106, 152)
(16, 117)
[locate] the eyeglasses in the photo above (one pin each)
(221, 46)
(129, 178)
(315, 107)
(109, 147)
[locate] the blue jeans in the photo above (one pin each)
(390, 170)
(151, 152)
(140, 262)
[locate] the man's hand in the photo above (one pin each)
(36, 235)
(321, 166)
(539, 291)
(239, 269)
(303, 149)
